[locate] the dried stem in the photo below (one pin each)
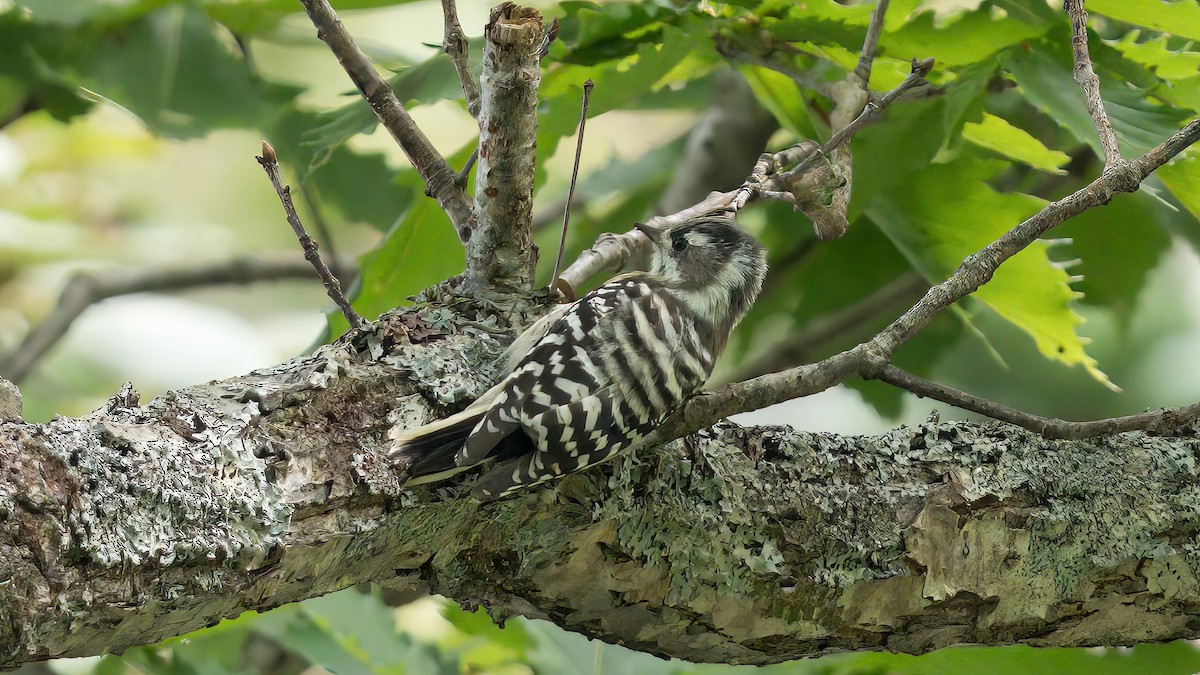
(1166, 421)
(562, 240)
(440, 180)
(1085, 75)
(271, 165)
(455, 44)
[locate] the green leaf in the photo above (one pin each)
(996, 134)
(297, 633)
(1154, 54)
(32, 55)
(1044, 75)
(419, 251)
(1117, 246)
(1182, 177)
(972, 37)
(618, 83)
(177, 70)
(363, 623)
(249, 17)
(780, 95)
(947, 212)
(1178, 17)
(427, 82)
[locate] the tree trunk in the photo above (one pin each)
(741, 545)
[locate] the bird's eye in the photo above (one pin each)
(679, 244)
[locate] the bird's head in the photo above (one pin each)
(716, 267)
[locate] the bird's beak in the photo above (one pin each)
(654, 233)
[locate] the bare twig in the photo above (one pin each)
(867, 56)
(501, 253)
(870, 114)
(440, 180)
(87, 289)
(562, 240)
(1166, 421)
(466, 170)
(455, 44)
(850, 322)
(1085, 75)
(271, 165)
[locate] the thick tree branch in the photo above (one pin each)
(1166, 422)
(1085, 75)
(501, 253)
(455, 44)
(440, 179)
(88, 288)
(137, 523)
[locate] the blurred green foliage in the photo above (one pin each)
(935, 181)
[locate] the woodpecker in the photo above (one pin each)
(591, 380)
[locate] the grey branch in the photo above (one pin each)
(852, 322)
(866, 57)
(1085, 75)
(455, 44)
(977, 269)
(440, 180)
(1165, 422)
(333, 287)
(501, 252)
(88, 288)
(133, 524)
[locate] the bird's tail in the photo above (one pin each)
(427, 453)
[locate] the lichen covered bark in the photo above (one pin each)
(757, 545)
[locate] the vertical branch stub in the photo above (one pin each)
(501, 253)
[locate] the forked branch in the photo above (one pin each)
(440, 180)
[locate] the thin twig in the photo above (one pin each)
(1162, 421)
(1086, 76)
(455, 44)
(867, 57)
(849, 322)
(870, 114)
(271, 165)
(86, 289)
(466, 170)
(441, 182)
(562, 240)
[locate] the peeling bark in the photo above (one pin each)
(741, 545)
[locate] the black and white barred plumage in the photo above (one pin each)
(603, 372)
